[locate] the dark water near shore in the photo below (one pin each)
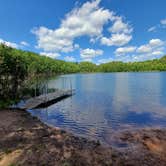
(105, 103)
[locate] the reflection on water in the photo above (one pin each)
(104, 103)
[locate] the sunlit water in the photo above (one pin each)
(105, 103)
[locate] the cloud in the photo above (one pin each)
(93, 40)
(154, 44)
(76, 46)
(87, 20)
(90, 53)
(161, 25)
(157, 53)
(120, 33)
(120, 27)
(14, 45)
(70, 59)
(51, 55)
(50, 40)
(116, 40)
(152, 29)
(144, 49)
(163, 22)
(24, 43)
(124, 50)
(9, 44)
(87, 60)
(105, 60)
(147, 56)
(153, 49)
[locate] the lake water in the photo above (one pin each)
(105, 103)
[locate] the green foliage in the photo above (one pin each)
(150, 65)
(28, 64)
(17, 65)
(87, 67)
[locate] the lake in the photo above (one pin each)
(106, 103)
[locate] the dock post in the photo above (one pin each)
(71, 86)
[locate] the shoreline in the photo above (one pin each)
(25, 140)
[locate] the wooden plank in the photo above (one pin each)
(47, 99)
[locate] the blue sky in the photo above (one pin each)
(96, 30)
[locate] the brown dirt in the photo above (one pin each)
(143, 146)
(25, 140)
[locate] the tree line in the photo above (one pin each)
(17, 65)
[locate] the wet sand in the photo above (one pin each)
(25, 140)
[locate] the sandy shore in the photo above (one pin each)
(25, 140)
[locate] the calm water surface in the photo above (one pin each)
(105, 103)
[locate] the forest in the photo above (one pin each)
(16, 66)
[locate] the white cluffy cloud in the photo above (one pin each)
(14, 45)
(116, 40)
(144, 49)
(51, 55)
(125, 50)
(153, 45)
(120, 33)
(87, 20)
(158, 52)
(163, 22)
(9, 44)
(105, 60)
(70, 59)
(24, 43)
(90, 53)
(120, 27)
(153, 49)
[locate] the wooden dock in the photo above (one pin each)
(46, 100)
